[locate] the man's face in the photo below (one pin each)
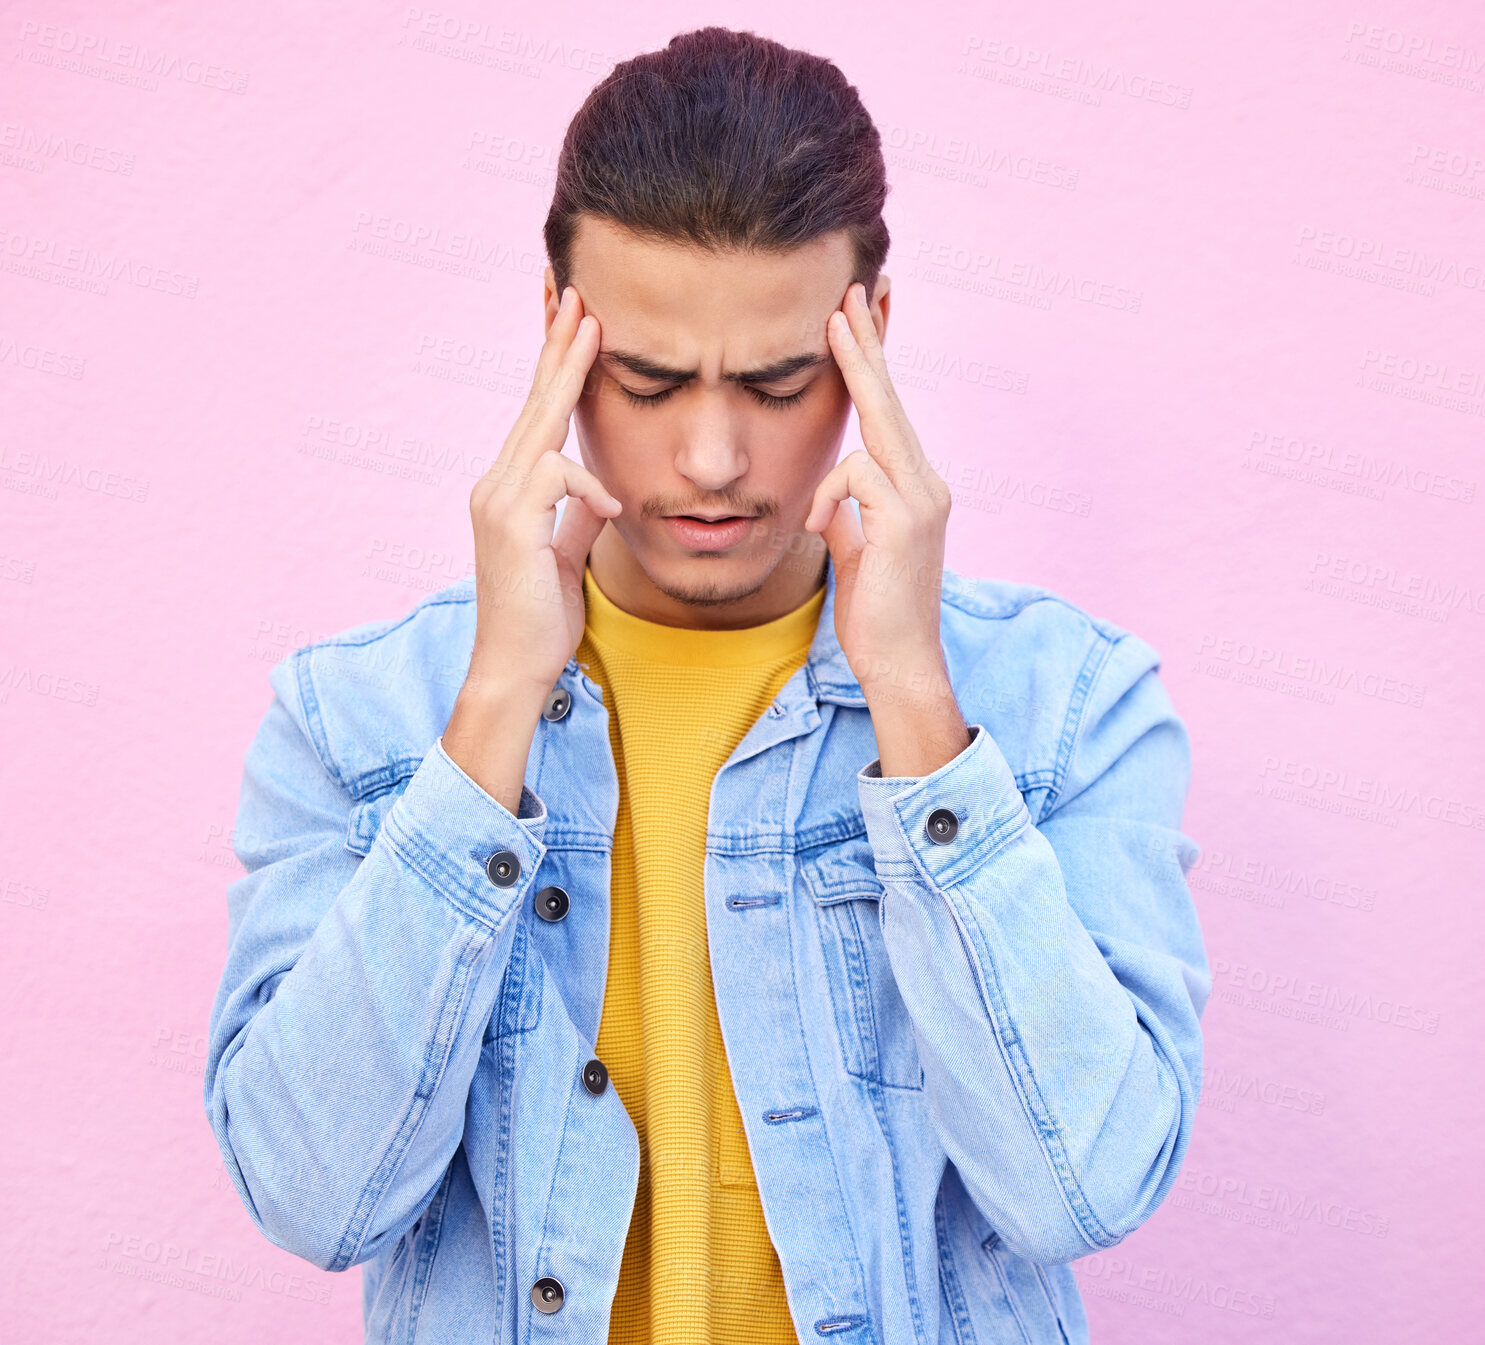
(714, 393)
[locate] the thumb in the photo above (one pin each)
(577, 529)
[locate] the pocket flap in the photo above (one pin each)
(367, 816)
(843, 871)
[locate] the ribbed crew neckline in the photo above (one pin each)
(611, 626)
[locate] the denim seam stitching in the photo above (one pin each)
(400, 1265)
(423, 861)
(881, 1070)
(390, 627)
(1010, 1298)
(1106, 629)
(309, 701)
(1049, 1134)
(854, 956)
(528, 1306)
(516, 995)
(303, 669)
(499, 1200)
(558, 837)
(435, 1059)
(1041, 1276)
(1093, 665)
(804, 842)
(789, 933)
(370, 786)
(959, 1314)
(904, 1228)
(361, 828)
(433, 1229)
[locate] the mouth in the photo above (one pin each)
(698, 532)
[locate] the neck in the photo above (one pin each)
(795, 575)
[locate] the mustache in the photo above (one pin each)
(755, 508)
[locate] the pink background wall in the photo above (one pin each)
(1190, 310)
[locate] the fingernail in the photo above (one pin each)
(566, 299)
(843, 333)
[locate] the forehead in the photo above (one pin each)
(667, 299)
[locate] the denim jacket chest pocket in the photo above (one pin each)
(875, 1033)
(366, 817)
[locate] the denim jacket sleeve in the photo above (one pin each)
(351, 1012)
(1054, 969)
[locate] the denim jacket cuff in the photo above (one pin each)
(448, 828)
(976, 786)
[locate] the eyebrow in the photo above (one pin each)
(764, 373)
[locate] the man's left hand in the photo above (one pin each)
(889, 566)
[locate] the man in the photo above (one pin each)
(718, 921)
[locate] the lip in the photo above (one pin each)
(697, 535)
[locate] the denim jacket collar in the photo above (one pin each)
(825, 676)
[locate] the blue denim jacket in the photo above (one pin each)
(961, 1063)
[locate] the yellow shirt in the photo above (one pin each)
(699, 1267)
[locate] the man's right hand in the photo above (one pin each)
(528, 583)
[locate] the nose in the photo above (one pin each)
(712, 453)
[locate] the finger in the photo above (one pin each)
(557, 477)
(559, 336)
(844, 537)
(568, 380)
(526, 506)
(884, 428)
(857, 476)
(555, 390)
(558, 340)
(858, 313)
(542, 426)
(858, 335)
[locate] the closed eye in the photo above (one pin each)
(767, 399)
(653, 399)
(763, 398)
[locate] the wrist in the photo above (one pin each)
(489, 734)
(913, 681)
(486, 688)
(917, 722)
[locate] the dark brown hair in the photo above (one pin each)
(724, 140)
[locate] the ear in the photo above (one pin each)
(550, 299)
(881, 306)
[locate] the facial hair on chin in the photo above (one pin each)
(708, 593)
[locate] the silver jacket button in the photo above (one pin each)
(503, 867)
(943, 826)
(552, 903)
